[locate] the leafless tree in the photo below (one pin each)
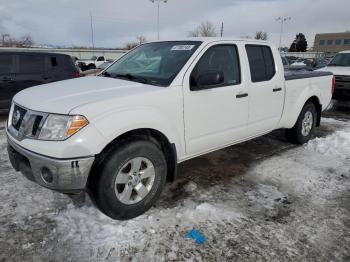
(7, 41)
(139, 40)
(26, 41)
(205, 29)
(260, 35)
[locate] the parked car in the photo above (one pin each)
(20, 70)
(308, 64)
(96, 71)
(120, 135)
(302, 64)
(291, 59)
(91, 63)
(340, 67)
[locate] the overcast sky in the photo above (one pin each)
(115, 22)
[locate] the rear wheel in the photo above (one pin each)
(131, 180)
(305, 125)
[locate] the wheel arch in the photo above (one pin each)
(292, 110)
(149, 134)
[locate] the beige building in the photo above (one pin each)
(332, 42)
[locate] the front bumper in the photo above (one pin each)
(63, 175)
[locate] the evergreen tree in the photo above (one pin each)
(299, 44)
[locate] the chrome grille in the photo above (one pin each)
(26, 123)
(18, 116)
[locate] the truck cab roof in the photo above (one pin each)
(207, 40)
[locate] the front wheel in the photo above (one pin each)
(131, 180)
(304, 127)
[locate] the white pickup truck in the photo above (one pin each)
(91, 63)
(120, 135)
(340, 67)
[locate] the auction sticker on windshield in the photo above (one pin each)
(182, 47)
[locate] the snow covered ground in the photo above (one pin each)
(263, 200)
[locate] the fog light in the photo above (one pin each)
(47, 175)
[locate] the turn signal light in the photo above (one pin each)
(78, 122)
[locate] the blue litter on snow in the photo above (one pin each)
(197, 236)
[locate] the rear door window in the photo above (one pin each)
(53, 61)
(261, 63)
(6, 64)
(31, 64)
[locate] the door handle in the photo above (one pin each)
(277, 89)
(242, 95)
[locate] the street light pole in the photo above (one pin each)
(158, 9)
(92, 34)
(283, 20)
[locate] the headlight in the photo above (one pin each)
(61, 127)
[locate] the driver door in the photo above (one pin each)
(215, 116)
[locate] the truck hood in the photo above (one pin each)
(61, 97)
(337, 70)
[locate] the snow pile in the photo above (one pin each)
(276, 206)
(337, 144)
(100, 230)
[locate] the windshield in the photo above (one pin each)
(154, 63)
(340, 60)
(93, 57)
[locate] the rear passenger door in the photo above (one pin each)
(59, 67)
(30, 70)
(55, 69)
(266, 96)
(7, 84)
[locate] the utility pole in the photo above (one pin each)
(92, 34)
(282, 20)
(222, 29)
(158, 10)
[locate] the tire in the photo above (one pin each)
(304, 128)
(124, 199)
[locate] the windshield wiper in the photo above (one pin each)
(133, 78)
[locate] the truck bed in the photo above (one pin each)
(300, 74)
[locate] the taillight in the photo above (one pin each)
(333, 84)
(77, 74)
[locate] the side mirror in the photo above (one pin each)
(207, 80)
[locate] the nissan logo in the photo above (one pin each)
(16, 117)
